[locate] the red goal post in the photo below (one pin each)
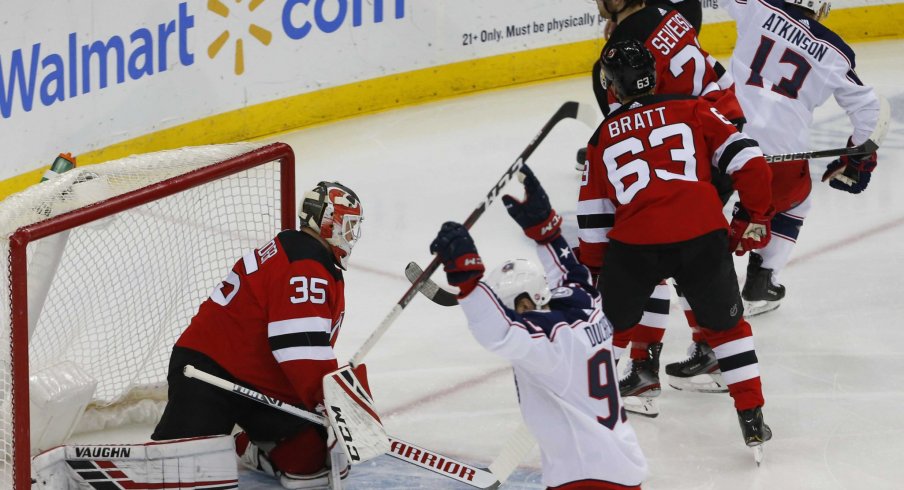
(145, 238)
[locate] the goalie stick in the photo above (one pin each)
(569, 110)
(399, 449)
(870, 145)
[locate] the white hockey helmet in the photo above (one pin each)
(334, 211)
(819, 7)
(518, 277)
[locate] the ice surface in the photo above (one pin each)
(831, 356)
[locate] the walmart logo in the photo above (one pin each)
(65, 75)
(257, 32)
(36, 76)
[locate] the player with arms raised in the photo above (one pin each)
(271, 325)
(558, 342)
(786, 64)
(652, 160)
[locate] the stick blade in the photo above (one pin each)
(429, 288)
(443, 465)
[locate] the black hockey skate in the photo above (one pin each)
(699, 372)
(760, 295)
(640, 385)
(754, 430)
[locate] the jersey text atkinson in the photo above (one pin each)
(796, 36)
(638, 120)
(432, 460)
(598, 333)
(667, 37)
(102, 452)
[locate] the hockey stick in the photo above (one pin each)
(569, 110)
(869, 146)
(430, 289)
(399, 449)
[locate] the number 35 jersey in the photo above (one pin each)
(650, 165)
(273, 321)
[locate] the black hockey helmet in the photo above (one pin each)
(629, 67)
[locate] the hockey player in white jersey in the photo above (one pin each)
(785, 64)
(553, 331)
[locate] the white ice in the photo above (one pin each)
(831, 360)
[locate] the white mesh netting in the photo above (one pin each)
(128, 284)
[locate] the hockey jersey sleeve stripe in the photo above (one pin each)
(710, 88)
(597, 235)
(595, 206)
(250, 262)
(307, 339)
(586, 221)
(298, 325)
(319, 353)
(735, 152)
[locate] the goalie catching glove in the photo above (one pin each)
(747, 233)
(534, 214)
(455, 248)
(851, 173)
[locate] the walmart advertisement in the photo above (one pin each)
(81, 76)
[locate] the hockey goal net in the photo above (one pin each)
(106, 264)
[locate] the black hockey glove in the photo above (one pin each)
(535, 215)
(851, 173)
(455, 247)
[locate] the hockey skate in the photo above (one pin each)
(640, 385)
(755, 431)
(699, 372)
(760, 293)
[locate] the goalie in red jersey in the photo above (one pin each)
(271, 325)
(650, 163)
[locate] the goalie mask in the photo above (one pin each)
(333, 211)
(516, 278)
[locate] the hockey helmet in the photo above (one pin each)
(629, 67)
(516, 278)
(335, 213)
(819, 7)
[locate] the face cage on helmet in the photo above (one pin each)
(343, 231)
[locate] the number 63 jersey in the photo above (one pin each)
(273, 321)
(648, 180)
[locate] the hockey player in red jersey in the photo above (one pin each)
(786, 63)
(552, 329)
(651, 162)
(682, 67)
(271, 325)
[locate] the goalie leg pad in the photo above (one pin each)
(196, 463)
(353, 417)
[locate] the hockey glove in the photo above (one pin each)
(535, 215)
(455, 247)
(746, 234)
(851, 173)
